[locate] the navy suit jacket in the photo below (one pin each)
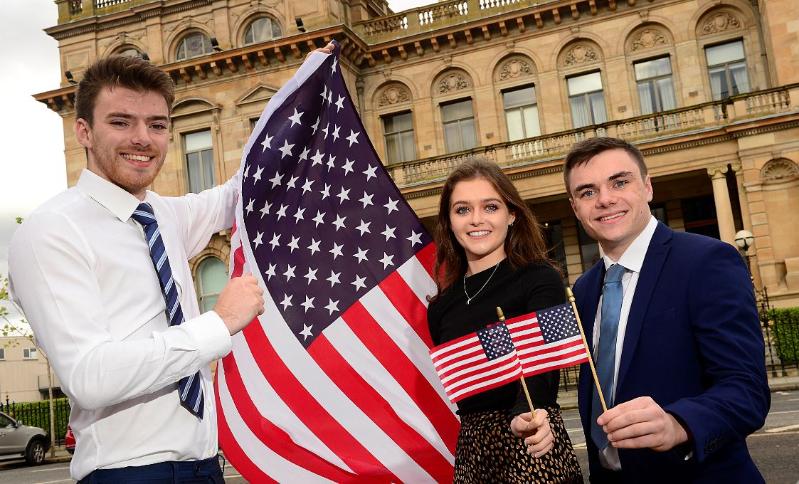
(693, 343)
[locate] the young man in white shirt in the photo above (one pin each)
(675, 332)
(82, 270)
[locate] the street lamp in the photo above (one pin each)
(744, 240)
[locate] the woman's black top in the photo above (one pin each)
(521, 291)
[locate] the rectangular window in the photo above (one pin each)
(398, 134)
(29, 353)
(2, 353)
(199, 160)
(655, 86)
(587, 100)
(521, 113)
(459, 133)
(726, 65)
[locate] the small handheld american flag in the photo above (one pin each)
(476, 362)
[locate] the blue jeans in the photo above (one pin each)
(182, 472)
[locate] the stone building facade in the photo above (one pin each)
(708, 89)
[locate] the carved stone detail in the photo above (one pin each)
(648, 38)
(779, 170)
(580, 54)
(394, 93)
(514, 68)
(720, 22)
(453, 81)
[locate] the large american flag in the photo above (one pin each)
(548, 340)
(333, 382)
(477, 362)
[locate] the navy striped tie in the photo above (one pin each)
(190, 387)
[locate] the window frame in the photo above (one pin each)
(273, 23)
(206, 184)
(731, 86)
(400, 135)
(520, 107)
(654, 89)
(207, 49)
(202, 296)
(26, 353)
(458, 122)
(587, 97)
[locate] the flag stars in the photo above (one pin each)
(387, 260)
(334, 278)
(324, 93)
(325, 191)
(339, 222)
(308, 304)
(353, 137)
(326, 129)
(304, 154)
(315, 126)
(306, 187)
(286, 302)
(415, 238)
(347, 167)
(295, 118)
(266, 143)
(391, 206)
(339, 103)
(314, 247)
(306, 332)
(257, 176)
(249, 208)
(266, 208)
(331, 162)
(281, 212)
(289, 272)
(292, 183)
(285, 149)
(344, 194)
(299, 215)
(361, 255)
(294, 244)
(388, 233)
(370, 173)
(332, 306)
(310, 275)
(258, 239)
(363, 228)
(317, 158)
(275, 240)
(270, 272)
(276, 180)
(335, 134)
(336, 250)
(333, 66)
(319, 219)
(359, 282)
(366, 199)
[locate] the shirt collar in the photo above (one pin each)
(114, 198)
(633, 258)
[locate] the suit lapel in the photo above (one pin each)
(650, 273)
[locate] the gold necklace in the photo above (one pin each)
(468, 297)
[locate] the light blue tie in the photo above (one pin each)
(605, 354)
(190, 388)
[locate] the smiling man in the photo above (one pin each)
(674, 330)
(101, 272)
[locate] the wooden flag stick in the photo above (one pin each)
(501, 317)
(570, 295)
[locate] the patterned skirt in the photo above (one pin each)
(487, 451)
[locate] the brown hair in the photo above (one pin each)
(523, 245)
(582, 152)
(123, 71)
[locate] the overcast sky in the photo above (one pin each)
(31, 135)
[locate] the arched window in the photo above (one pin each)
(261, 29)
(212, 279)
(193, 45)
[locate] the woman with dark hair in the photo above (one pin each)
(491, 252)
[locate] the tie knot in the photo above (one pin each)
(615, 273)
(144, 214)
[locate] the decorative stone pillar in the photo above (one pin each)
(746, 218)
(721, 196)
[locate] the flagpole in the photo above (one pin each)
(570, 295)
(501, 317)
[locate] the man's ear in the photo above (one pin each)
(83, 133)
(648, 187)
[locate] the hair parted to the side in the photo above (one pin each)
(120, 71)
(582, 152)
(523, 245)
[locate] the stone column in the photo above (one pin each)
(746, 218)
(721, 196)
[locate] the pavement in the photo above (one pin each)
(568, 400)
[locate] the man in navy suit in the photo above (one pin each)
(682, 359)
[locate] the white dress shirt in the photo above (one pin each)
(632, 259)
(81, 271)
